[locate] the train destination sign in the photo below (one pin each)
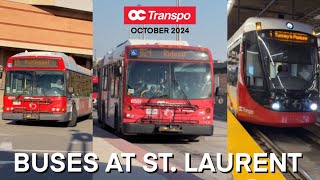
(289, 36)
(35, 63)
(168, 53)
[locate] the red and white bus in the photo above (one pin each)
(157, 87)
(46, 86)
(95, 80)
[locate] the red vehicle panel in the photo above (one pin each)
(166, 89)
(46, 86)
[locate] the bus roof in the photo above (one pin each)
(269, 23)
(68, 61)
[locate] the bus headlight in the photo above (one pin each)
(313, 106)
(275, 106)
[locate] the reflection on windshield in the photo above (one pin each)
(35, 83)
(154, 79)
(290, 65)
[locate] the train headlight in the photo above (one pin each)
(275, 106)
(313, 106)
(258, 26)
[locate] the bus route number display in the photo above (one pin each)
(35, 63)
(165, 53)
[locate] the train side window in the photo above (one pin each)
(233, 65)
(253, 69)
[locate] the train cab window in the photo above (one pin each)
(233, 65)
(253, 70)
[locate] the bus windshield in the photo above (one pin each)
(169, 80)
(290, 64)
(35, 83)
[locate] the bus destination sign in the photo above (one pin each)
(289, 36)
(50, 63)
(168, 54)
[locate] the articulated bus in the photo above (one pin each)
(273, 73)
(157, 87)
(46, 86)
(95, 81)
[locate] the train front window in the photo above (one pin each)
(35, 83)
(290, 65)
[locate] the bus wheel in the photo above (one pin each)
(73, 121)
(193, 138)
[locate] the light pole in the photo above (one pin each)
(178, 35)
(143, 35)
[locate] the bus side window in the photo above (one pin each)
(105, 78)
(112, 80)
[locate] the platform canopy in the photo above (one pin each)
(46, 27)
(306, 11)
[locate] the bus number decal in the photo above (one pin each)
(136, 101)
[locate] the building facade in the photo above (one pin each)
(46, 25)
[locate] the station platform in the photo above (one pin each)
(240, 141)
(105, 143)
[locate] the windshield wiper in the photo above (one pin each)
(153, 96)
(184, 94)
(49, 100)
(19, 96)
(305, 87)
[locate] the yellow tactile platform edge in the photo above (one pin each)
(239, 141)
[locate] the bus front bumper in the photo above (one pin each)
(64, 117)
(176, 129)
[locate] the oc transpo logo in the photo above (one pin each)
(159, 15)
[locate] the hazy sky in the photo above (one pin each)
(210, 30)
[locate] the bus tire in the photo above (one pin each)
(73, 122)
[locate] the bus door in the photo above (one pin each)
(111, 100)
(114, 103)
